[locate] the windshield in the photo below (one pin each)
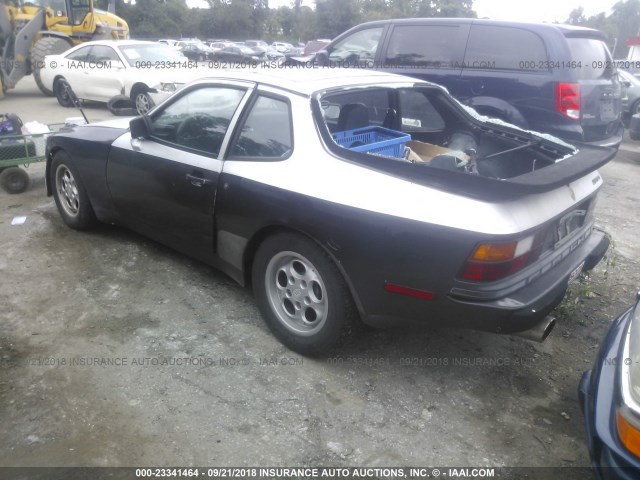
(150, 53)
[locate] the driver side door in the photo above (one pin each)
(164, 186)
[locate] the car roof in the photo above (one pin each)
(307, 81)
(567, 30)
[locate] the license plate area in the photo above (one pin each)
(571, 222)
(576, 273)
(607, 111)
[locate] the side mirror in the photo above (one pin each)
(139, 127)
(322, 58)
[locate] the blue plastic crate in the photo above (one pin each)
(377, 140)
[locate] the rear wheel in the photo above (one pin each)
(301, 294)
(62, 90)
(14, 180)
(43, 47)
(70, 195)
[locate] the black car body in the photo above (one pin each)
(237, 54)
(300, 183)
(611, 410)
(195, 51)
(550, 78)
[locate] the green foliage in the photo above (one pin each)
(244, 19)
(622, 24)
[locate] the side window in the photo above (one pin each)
(417, 114)
(103, 54)
(79, 10)
(423, 45)
(504, 48)
(266, 131)
(80, 55)
(357, 49)
(198, 120)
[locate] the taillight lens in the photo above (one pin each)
(568, 99)
(493, 261)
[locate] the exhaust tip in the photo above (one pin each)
(551, 323)
(539, 332)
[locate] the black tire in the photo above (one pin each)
(70, 195)
(62, 90)
(635, 108)
(142, 101)
(43, 47)
(301, 294)
(121, 105)
(14, 180)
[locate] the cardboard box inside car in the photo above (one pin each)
(424, 152)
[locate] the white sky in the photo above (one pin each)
(517, 10)
(536, 10)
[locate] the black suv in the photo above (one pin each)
(558, 79)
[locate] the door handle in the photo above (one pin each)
(197, 181)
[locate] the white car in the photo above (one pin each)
(102, 70)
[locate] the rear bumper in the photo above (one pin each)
(613, 141)
(512, 308)
(525, 307)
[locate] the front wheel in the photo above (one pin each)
(143, 102)
(70, 195)
(301, 294)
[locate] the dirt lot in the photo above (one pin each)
(115, 351)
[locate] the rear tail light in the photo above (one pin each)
(493, 261)
(568, 99)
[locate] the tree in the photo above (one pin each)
(335, 16)
(626, 20)
(576, 17)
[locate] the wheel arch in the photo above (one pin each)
(138, 87)
(261, 235)
(499, 108)
(47, 170)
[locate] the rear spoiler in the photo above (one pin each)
(586, 160)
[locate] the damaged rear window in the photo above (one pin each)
(422, 125)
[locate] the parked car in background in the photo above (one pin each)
(552, 78)
(237, 53)
(630, 95)
(217, 46)
(273, 55)
(412, 208)
(168, 41)
(101, 70)
(258, 46)
(195, 50)
(610, 400)
(282, 47)
(312, 46)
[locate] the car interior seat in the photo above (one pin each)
(353, 115)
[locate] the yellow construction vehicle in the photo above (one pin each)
(30, 30)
